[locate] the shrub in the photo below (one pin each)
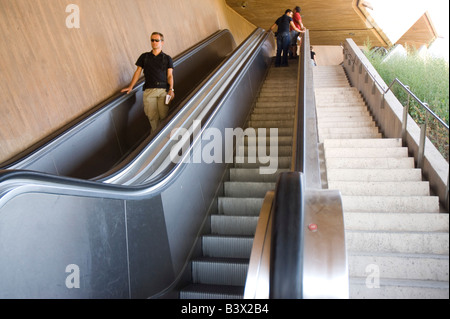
(428, 78)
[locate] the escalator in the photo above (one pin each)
(163, 228)
(221, 269)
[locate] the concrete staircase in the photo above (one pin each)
(397, 239)
(221, 270)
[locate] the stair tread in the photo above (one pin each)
(212, 291)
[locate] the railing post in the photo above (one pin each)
(405, 121)
(423, 134)
(446, 194)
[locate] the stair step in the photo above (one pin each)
(198, 291)
(278, 162)
(271, 117)
(324, 105)
(282, 150)
(233, 225)
(271, 123)
(371, 163)
(397, 222)
(240, 206)
(342, 100)
(219, 271)
(277, 93)
(335, 90)
(281, 131)
(283, 98)
(399, 289)
(247, 189)
(395, 204)
(271, 104)
(253, 175)
(349, 135)
(345, 130)
(366, 122)
(270, 140)
(374, 175)
(401, 266)
(397, 242)
(227, 246)
(381, 188)
(339, 118)
(367, 152)
(341, 113)
(377, 142)
(274, 110)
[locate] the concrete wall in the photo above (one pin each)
(388, 113)
(52, 71)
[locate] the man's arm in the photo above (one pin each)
(170, 82)
(295, 28)
(134, 80)
(272, 28)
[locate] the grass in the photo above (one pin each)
(428, 79)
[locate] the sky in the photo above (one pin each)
(386, 14)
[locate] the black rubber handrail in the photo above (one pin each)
(287, 238)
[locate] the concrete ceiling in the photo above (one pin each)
(329, 22)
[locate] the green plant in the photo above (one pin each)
(427, 78)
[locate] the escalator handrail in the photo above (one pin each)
(14, 183)
(286, 255)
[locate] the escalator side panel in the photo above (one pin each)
(150, 261)
(63, 243)
(83, 248)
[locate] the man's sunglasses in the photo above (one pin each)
(155, 40)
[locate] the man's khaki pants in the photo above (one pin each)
(154, 106)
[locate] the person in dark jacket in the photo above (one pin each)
(284, 24)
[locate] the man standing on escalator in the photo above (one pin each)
(158, 72)
(284, 23)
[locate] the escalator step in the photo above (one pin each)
(227, 246)
(220, 271)
(233, 225)
(247, 189)
(240, 206)
(198, 291)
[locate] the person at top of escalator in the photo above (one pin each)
(158, 72)
(297, 19)
(284, 23)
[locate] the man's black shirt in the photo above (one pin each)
(155, 69)
(283, 23)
